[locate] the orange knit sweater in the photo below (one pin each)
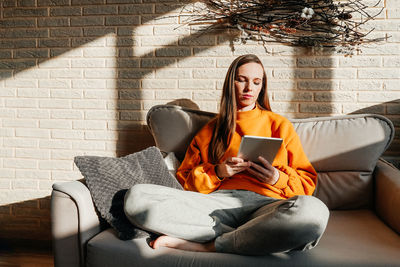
(297, 176)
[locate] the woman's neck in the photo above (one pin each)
(247, 108)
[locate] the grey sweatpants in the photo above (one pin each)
(240, 221)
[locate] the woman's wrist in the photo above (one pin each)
(217, 174)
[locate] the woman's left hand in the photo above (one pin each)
(264, 172)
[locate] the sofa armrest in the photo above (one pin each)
(387, 194)
(74, 222)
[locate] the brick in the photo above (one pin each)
(17, 64)
(100, 94)
(53, 22)
(378, 96)
(172, 73)
(391, 85)
(7, 92)
(293, 96)
(25, 12)
(122, 41)
(53, 2)
(67, 134)
(26, 3)
(320, 108)
(292, 74)
(5, 54)
(20, 163)
(179, 29)
(379, 73)
(218, 51)
(382, 49)
(159, 84)
(163, 41)
(36, 53)
(66, 114)
(360, 62)
(136, 9)
(279, 84)
(54, 103)
(101, 115)
(336, 73)
(7, 152)
(19, 123)
(137, 31)
(43, 83)
(7, 173)
(66, 74)
(391, 61)
(122, 20)
(88, 63)
(54, 42)
(33, 114)
(196, 84)
(137, 52)
(100, 73)
(65, 11)
(193, 40)
(136, 94)
(24, 184)
(169, 8)
(101, 135)
(6, 132)
(88, 84)
(89, 145)
(17, 23)
(173, 52)
(135, 74)
(21, 103)
(125, 105)
(157, 20)
(363, 85)
(86, 2)
(360, 108)
(64, 52)
(173, 94)
(149, 104)
(32, 154)
(335, 97)
(123, 63)
(318, 85)
(88, 104)
(89, 125)
(98, 31)
(155, 63)
(64, 175)
(55, 124)
(125, 84)
(133, 115)
(32, 174)
(99, 52)
(38, 133)
(87, 21)
(64, 154)
(100, 10)
(66, 32)
(7, 113)
(284, 107)
(89, 42)
(55, 64)
(20, 43)
(208, 73)
(55, 144)
(207, 95)
(198, 62)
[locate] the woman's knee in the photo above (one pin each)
(313, 212)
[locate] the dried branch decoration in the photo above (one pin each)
(308, 23)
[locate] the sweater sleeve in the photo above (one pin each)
(297, 176)
(196, 175)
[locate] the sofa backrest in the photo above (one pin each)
(344, 150)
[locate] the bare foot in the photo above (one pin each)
(173, 242)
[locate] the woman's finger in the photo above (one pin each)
(265, 162)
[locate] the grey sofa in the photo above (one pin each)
(360, 188)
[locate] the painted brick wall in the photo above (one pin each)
(78, 76)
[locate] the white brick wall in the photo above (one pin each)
(77, 78)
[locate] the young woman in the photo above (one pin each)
(231, 205)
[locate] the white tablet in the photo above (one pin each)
(252, 147)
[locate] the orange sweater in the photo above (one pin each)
(297, 176)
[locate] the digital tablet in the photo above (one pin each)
(252, 147)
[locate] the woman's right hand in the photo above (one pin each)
(231, 166)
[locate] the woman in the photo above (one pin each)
(231, 205)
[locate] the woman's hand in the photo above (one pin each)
(231, 166)
(265, 172)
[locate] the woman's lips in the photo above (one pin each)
(247, 96)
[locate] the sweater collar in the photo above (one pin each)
(250, 114)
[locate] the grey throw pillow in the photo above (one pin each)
(108, 179)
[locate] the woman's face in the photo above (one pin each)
(248, 84)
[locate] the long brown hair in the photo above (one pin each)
(226, 119)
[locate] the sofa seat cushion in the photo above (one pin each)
(352, 238)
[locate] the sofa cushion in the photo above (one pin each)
(348, 241)
(343, 149)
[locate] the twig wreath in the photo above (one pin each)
(307, 23)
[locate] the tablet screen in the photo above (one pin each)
(251, 147)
